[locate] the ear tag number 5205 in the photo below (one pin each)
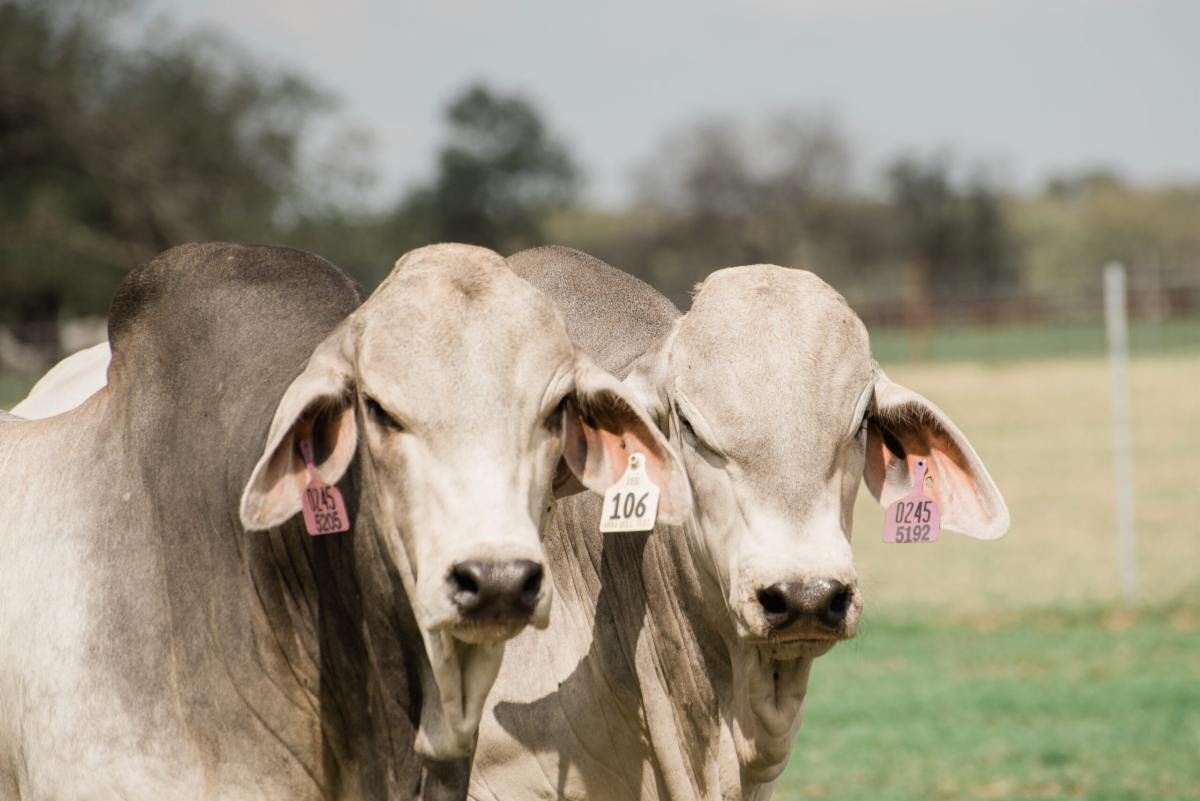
(323, 506)
(632, 503)
(915, 517)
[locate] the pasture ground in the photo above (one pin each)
(1102, 705)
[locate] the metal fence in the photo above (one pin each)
(970, 323)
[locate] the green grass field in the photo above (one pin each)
(1040, 705)
(1023, 342)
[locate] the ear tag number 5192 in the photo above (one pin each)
(632, 503)
(915, 517)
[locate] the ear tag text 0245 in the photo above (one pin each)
(915, 517)
(632, 503)
(323, 506)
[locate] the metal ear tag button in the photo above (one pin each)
(323, 506)
(915, 517)
(632, 503)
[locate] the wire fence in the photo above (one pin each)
(963, 323)
(972, 324)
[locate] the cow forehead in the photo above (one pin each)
(769, 355)
(453, 324)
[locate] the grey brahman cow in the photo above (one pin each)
(676, 663)
(169, 630)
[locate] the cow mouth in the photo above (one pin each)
(801, 641)
(485, 632)
(782, 649)
(798, 642)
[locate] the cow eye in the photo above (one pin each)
(553, 421)
(689, 433)
(381, 415)
(862, 428)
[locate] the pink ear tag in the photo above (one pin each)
(324, 508)
(915, 517)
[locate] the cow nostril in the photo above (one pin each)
(838, 604)
(779, 604)
(466, 581)
(772, 601)
(532, 587)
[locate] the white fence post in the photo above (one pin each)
(1116, 325)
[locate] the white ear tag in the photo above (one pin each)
(632, 503)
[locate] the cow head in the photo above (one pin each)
(768, 388)
(457, 388)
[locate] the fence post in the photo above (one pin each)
(1116, 325)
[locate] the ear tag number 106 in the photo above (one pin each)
(915, 517)
(632, 503)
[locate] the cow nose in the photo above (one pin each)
(826, 601)
(496, 590)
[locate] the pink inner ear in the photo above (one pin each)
(598, 456)
(343, 433)
(598, 452)
(598, 440)
(278, 487)
(617, 448)
(954, 486)
(888, 480)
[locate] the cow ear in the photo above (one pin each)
(317, 404)
(905, 427)
(602, 425)
(646, 380)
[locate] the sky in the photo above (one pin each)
(1028, 88)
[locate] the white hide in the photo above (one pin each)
(67, 384)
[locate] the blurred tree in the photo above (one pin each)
(957, 237)
(499, 175)
(725, 193)
(1083, 182)
(108, 156)
(1083, 220)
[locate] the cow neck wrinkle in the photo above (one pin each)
(656, 644)
(238, 651)
(322, 646)
(306, 636)
(758, 697)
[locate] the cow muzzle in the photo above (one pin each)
(807, 610)
(494, 600)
